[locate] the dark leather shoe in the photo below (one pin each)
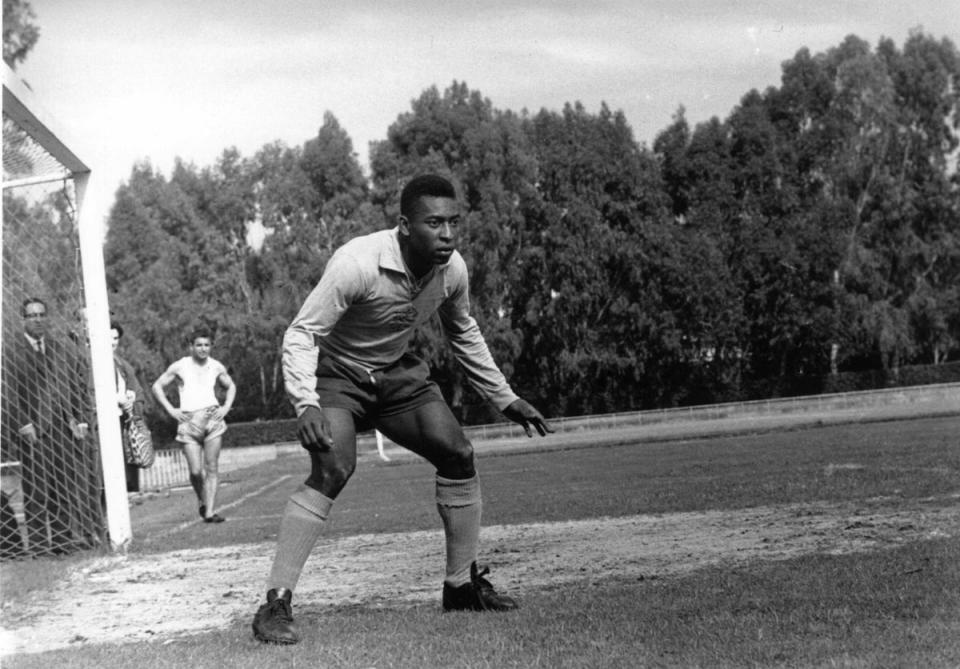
(477, 595)
(273, 622)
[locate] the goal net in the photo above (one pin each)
(59, 454)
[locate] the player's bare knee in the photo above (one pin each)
(330, 475)
(456, 461)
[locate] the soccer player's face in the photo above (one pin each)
(432, 230)
(201, 348)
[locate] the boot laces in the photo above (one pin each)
(479, 582)
(280, 609)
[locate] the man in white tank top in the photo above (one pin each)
(200, 416)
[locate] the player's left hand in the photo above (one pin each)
(523, 413)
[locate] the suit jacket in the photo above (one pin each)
(42, 389)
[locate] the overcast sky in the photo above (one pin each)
(155, 79)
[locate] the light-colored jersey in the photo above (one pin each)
(365, 310)
(196, 383)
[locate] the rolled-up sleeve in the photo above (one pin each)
(330, 298)
(470, 348)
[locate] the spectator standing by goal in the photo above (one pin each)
(42, 389)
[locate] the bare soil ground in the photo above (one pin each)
(155, 596)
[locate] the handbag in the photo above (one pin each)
(137, 442)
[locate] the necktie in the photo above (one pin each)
(45, 400)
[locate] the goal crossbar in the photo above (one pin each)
(20, 104)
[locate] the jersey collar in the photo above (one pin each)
(390, 256)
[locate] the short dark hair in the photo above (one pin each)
(425, 185)
(119, 328)
(32, 300)
(200, 332)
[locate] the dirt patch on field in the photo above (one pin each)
(139, 597)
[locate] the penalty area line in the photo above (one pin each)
(235, 503)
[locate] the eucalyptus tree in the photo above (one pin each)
(834, 206)
(234, 246)
(592, 301)
(153, 262)
(20, 31)
(875, 130)
(338, 185)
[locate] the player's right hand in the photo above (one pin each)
(313, 431)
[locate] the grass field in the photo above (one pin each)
(829, 546)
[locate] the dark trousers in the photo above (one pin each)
(133, 478)
(11, 543)
(45, 470)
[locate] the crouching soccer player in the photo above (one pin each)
(346, 368)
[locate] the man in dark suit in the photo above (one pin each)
(43, 399)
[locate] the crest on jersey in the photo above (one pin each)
(402, 318)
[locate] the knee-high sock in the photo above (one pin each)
(303, 520)
(460, 506)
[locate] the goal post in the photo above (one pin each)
(67, 488)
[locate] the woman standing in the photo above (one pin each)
(129, 400)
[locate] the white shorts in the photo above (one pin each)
(200, 425)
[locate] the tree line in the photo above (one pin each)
(814, 230)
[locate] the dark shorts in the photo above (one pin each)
(398, 389)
